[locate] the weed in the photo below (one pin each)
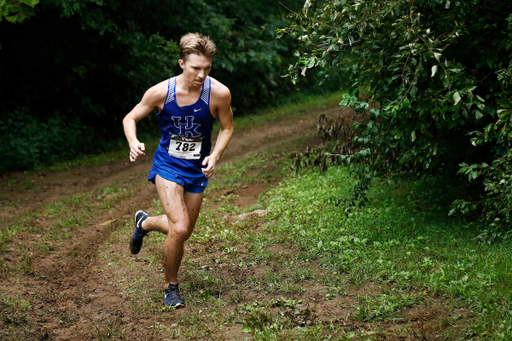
(302, 274)
(109, 330)
(236, 296)
(112, 195)
(44, 248)
(284, 302)
(256, 317)
(372, 308)
(292, 289)
(14, 310)
(25, 266)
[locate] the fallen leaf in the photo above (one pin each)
(108, 222)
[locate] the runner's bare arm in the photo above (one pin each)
(153, 98)
(225, 117)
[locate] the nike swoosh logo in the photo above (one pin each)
(196, 110)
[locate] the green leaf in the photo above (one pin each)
(437, 56)
(414, 91)
(478, 114)
(413, 136)
(434, 70)
(406, 104)
(17, 11)
(247, 329)
(504, 104)
(310, 62)
(456, 98)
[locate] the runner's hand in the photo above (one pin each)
(137, 150)
(209, 162)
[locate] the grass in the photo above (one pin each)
(306, 104)
(404, 241)
(396, 269)
(372, 308)
(14, 315)
(377, 265)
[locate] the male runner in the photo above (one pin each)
(187, 106)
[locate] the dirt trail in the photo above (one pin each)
(56, 185)
(68, 296)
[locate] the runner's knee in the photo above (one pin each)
(181, 231)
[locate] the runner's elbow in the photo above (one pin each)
(128, 121)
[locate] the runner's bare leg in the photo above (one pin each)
(181, 212)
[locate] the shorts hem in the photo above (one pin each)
(187, 182)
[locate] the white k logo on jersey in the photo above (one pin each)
(187, 128)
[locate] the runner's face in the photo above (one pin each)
(196, 68)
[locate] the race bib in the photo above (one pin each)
(185, 148)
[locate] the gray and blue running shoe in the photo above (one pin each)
(172, 297)
(139, 234)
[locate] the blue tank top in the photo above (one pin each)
(185, 132)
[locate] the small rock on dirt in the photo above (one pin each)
(249, 215)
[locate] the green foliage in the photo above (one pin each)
(496, 203)
(92, 60)
(438, 75)
(26, 142)
(16, 11)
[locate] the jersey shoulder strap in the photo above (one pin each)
(205, 95)
(171, 90)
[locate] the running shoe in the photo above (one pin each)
(172, 297)
(139, 234)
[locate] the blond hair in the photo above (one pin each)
(196, 43)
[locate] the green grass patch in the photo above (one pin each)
(305, 104)
(404, 240)
(14, 314)
(113, 194)
(252, 169)
(372, 308)
(120, 152)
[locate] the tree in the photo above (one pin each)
(437, 74)
(16, 11)
(83, 64)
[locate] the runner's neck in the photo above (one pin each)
(189, 89)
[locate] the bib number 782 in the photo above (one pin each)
(185, 148)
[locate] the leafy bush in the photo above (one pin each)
(437, 74)
(95, 59)
(26, 142)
